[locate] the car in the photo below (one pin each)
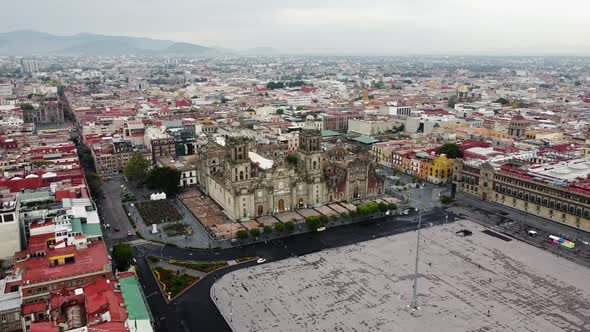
(107, 226)
(260, 260)
(129, 233)
(117, 228)
(321, 229)
(532, 233)
(586, 243)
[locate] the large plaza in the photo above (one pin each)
(481, 282)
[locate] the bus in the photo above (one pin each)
(561, 242)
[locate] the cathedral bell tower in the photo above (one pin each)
(310, 149)
(237, 167)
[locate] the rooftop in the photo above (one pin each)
(368, 286)
(134, 300)
(88, 260)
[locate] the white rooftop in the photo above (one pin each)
(263, 163)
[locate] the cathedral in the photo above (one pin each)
(247, 183)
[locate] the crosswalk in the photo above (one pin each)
(138, 242)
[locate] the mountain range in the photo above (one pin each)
(28, 42)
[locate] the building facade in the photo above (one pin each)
(530, 192)
(246, 184)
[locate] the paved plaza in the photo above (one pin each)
(482, 282)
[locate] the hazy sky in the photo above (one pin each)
(324, 26)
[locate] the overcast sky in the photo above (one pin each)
(324, 26)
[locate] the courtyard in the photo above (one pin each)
(480, 282)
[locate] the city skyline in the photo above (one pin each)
(350, 27)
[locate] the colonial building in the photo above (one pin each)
(559, 192)
(248, 183)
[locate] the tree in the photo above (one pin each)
(446, 199)
(255, 232)
(242, 234)
(26, 107)
(94, 184)
(164, 179)
(137, 166)
(367, 209)
(324, 219)
(290, 226)
(503, 101)
(122, 255)
(313, 222)
(292, 159)
(279, 227)
(451, 150)
(280, 111)
(452, 101)
(267, 229)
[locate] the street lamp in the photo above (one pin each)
(414, 304)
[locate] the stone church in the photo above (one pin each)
(247, 184)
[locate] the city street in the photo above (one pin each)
(112, 212)
(195, 311)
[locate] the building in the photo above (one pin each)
(370, 127)
(10, 226)
(163, 147)
(48, 112)
(337, 121)
(440, 170)
(29, 65)
(350, 177)
(247, 183)
(556, 191)
(10, 304)
(5, 90)
(518, 126)
(185, 165)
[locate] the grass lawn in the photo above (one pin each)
(173, 282)
(200, 266)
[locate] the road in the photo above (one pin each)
(112, 213)
(194, 310)
(517, 224)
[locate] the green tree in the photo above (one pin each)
(280, 111)
(313, 222)
(267, 229)
(451, 150)
(26, 107)
(324, 219)
(122, 255)
(367, 209)
(446, 199)
(503, 101)
(452, 101)
(292, 159)
(242, 234)
(255, 232)
(290, 226)
(279, 227)
(164, 179)
(137, 166)
(94, 184)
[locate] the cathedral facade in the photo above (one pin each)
(245, 186)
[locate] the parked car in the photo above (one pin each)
(260, 260)
(321, 229)
(129, 233)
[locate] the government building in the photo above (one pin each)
(558, 191)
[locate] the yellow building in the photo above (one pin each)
(440, 170)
